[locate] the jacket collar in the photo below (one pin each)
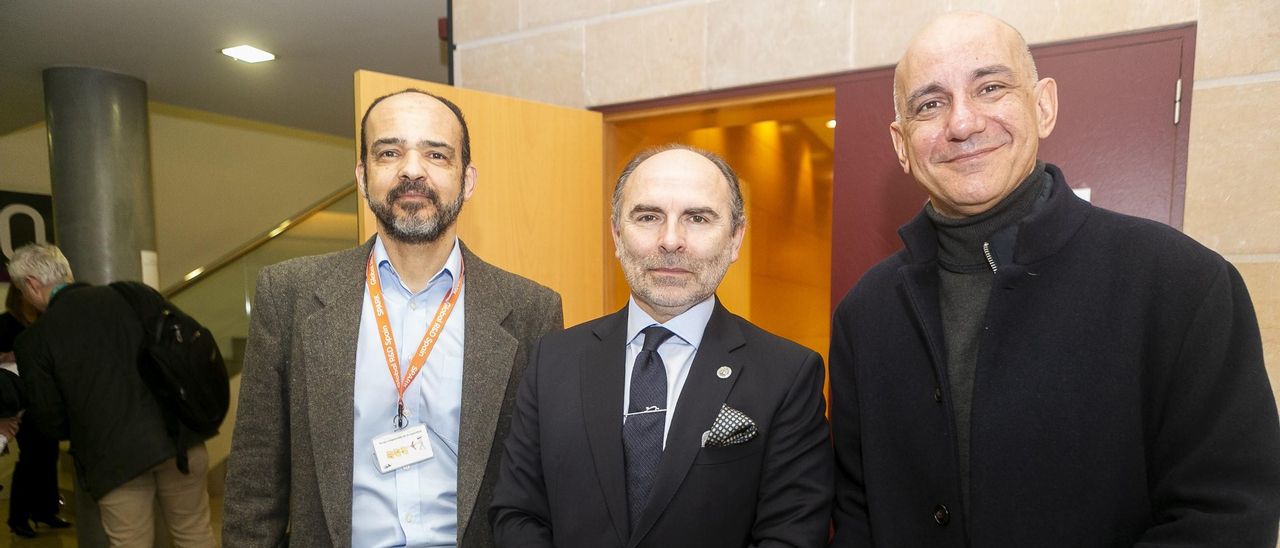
(63, 290)
(1041, 234)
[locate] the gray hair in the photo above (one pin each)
(737, 207)
(44, 262)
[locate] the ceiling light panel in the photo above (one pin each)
(248, 54)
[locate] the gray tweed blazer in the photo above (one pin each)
(290, 470)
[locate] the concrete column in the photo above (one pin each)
(100, 165)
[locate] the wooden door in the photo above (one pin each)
(1117, 136)
(538, 209)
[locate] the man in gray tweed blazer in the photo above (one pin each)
(378, 379)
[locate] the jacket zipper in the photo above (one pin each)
(991, 261)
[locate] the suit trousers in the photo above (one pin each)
(128, 513)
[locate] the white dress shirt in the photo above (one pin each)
(677, 352)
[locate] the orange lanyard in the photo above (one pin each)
(388, 340)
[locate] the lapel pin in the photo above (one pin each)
(724, 372)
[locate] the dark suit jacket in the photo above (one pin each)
(291, 453)
(563, 481)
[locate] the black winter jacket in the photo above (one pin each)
(1120, 397)
(78, 363)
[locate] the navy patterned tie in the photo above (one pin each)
(646, 417)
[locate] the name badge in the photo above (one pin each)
(398, 449)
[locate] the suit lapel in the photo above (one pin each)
(329, 354)
(601, 371)
(489, 352)
(700, 401)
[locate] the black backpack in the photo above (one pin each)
(180, 362)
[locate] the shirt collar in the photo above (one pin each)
(689, 326)
(388, 271)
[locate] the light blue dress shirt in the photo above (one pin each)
(416, 505)
(677, 352)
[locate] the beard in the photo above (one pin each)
(414, 226)
(671, 292)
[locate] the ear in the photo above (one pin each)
(736, 242)
(1046, 105)
(900, 145)
(469, 178)
(32, 285)
(617, 240)
(32, 292)
(360, 179)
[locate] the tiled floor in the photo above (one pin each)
(46, 538)
(57, 538)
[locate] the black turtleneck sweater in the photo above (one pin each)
(966, 274)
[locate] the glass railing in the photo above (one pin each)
(219, 295)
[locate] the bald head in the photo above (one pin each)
(937, 42)
(971, 112)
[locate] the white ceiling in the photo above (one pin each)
(174, 46)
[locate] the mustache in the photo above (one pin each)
(966, 148)
(414, 186)
(670, 259)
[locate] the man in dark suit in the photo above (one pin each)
(378, 379)
(671, 422)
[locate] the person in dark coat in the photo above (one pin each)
(79, 367)
(34, 495)
(1032, 370)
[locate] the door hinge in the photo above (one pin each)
(1177, 102)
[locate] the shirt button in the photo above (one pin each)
(941, 515)
(413, 305)
(937, 394)
(408, 517)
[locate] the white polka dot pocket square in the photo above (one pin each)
(732, 427)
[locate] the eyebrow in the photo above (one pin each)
(930, 88)
(642, 208)
(428, 143)
(704, 211)
(989, 70)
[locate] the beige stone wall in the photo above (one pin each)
(594, 52)
(1233, 200)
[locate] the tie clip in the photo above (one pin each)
(647, 410)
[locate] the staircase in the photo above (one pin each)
(220, 294)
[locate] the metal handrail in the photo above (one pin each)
(258, 241)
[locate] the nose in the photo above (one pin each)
(671, 237)
(964, 119)
(412, 168)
